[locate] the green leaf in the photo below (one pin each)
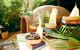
(58, 36)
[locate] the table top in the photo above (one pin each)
(20, 43)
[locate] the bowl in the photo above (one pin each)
(33, 38)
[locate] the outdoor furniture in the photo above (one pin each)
(46, 8)
(25, 21)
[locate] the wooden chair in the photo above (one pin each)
(48, 8)
(24, 21)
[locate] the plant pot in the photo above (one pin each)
(5, 35)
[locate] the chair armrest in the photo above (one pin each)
(25, 22)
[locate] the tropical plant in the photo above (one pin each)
(70, 31)
(37, 3)
(66, 36)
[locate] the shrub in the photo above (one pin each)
(10, 15)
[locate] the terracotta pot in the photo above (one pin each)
(5, 35)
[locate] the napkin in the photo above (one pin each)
(75, 11)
